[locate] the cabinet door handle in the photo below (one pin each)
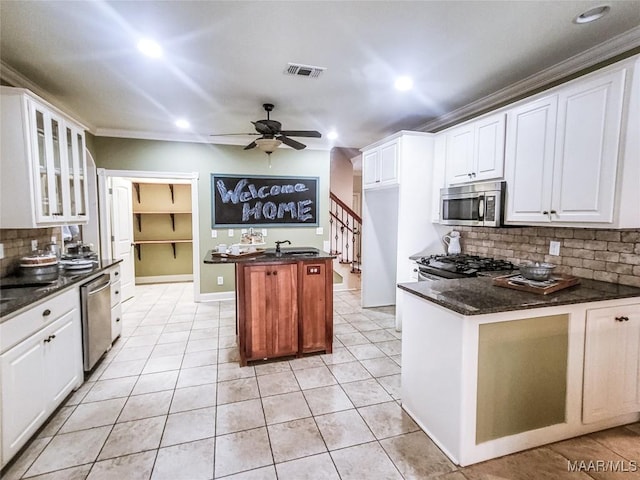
(116, 273)
(47, 340)
(545, 212)
(473, 174)
(553, 212)
(117, 292)
(268, 273)
(622, 319)
(275, 273)
(118, 319)
(46, 313)
(52, 337)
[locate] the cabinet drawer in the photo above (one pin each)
(115, 274)
(116, 321)
(22, 326)
(116, 293)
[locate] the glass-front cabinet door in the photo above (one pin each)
(45, 151)
(76, 161)
(60, 163)
(49, 161)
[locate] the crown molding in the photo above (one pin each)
(615, 46)
(11, 76)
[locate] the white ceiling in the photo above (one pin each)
(224, 59)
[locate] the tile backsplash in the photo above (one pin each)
(17, 243)
(607, 255)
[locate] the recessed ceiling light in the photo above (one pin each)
(592, 14)
(182, 123)
(332, 135)
(150, 48)
(404, 83)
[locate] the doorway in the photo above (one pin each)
(118, 223)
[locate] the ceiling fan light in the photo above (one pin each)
(268, 145)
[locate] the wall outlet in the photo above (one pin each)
(319, 231)
(264, 232)
(214, 234)
(231, 232)
(34, 245)
(220, 280)
(554, 248)
(1, 251)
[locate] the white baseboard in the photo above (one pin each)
(164, 279)
(217, 296)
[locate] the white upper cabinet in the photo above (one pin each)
(475, 151)
(380, 166)
(42, 155)
(529, 166)
(586, 156)
(562, 154)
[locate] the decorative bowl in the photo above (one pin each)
(536, 270)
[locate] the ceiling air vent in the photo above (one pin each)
(304, 70)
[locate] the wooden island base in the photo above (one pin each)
(284, 307)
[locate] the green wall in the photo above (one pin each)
(205, 159)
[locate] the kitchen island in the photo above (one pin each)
(284, 302)
(488, 371)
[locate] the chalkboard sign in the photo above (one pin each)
(241, 201)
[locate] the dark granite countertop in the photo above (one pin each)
(33, 292)
(290, 254)
(478, 296)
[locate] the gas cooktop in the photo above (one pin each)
(461, 266)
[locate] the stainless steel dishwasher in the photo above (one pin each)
(96, 319)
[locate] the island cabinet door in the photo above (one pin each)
(268, 311)
(611, 363)
(316, 306)
(282, 304)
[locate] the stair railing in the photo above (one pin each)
(346, 233)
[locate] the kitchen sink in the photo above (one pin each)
(293, 252)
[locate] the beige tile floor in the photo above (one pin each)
(169, 401)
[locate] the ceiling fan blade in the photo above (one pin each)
(301, 133)
(231, 134)
(292, 143)
(250, 146)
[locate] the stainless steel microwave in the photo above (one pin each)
(480, 204)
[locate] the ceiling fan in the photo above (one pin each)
(272, 135)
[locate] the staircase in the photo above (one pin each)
(345, 235)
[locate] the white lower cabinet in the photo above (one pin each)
(38, 372)
(488, 385)
(611, 363)
(116, 298)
